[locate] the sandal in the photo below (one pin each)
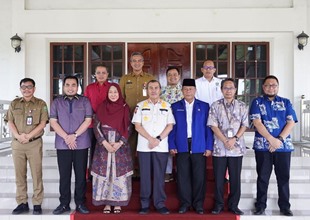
(117, 210)
(107, 210)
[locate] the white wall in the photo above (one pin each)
(42, 22)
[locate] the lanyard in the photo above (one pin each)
(226, 111)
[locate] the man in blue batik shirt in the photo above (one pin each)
(273, 118)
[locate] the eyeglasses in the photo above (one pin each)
(208, 67)
(137, 61)
(271, 86)
(228, 88)
(27, 87)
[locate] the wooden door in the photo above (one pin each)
(159, 56)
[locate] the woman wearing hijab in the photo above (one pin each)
(112, 165)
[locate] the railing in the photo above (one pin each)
(305, 119)
(5, 134)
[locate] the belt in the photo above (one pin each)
(32, 139)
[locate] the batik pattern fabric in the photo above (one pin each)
(274, 115)
(111, 171)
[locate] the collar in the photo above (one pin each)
(158, 102)
(276, 98)
(104, 84)
(140, 74)
(189, 104)
(74, 97)
(177, 87)
(229, 104)
(33, 99)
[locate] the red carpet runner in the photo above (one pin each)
(131, 211)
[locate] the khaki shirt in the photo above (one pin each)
(132, 88)
(20, 112)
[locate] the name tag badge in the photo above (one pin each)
(144, 92)
(29, 120)
(230, 133)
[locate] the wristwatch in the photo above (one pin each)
(237, 139)
(158, 137)
(280, 138)
(75, 134)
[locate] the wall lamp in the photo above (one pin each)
(302, 40)
(16, 42)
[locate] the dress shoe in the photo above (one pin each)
(61, 209)
(259, 211)
(199, 211)
(163, 211)
(37, 210)
(286, 212)
(236, 211)
(82, 209)
(217, 210)
(144, 211)
(21, 208)
(183, 209)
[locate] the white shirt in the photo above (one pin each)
(208, 91)
(189, 114)
(154, 119)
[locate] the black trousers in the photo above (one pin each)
(281, 162)
(65, 159)
(234, 165)
(191, 179)
(152, 162)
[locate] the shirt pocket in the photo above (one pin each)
(146, 116)
(18, 116)
(36, 117)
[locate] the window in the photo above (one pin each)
(250, 67)
(219, 53)
(110, 55)
(67, 59)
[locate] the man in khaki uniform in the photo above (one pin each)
(27, 117)
(133, 86)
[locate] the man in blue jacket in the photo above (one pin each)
(191, 140)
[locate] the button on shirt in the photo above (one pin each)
(20, 110)
(70, 114)
(154, 119)
(225, 116)
(274, 115)
(208, 91)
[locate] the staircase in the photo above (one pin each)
(300, 188)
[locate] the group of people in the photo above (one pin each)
(137, 121)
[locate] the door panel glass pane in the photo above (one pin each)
(241, 86)
(261, 69)
(239, 70)
(211, 52)
(198, 69)
(250, 54)
(106, 52)
(57, 69)
(250, 69)
(222, 71)
(259, 89)
(95, 53)
(117, 52)
(222, 52)
(57, 86)
(241, 98)
(200, 52)
(68, 69)
(117, 69)
(251, 86)
(57, 53)
(239, 52)
(68, 51)
(78, 70)
(261, 53)
(79, 52)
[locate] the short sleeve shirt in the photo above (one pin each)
(70, 114)
(208, 91)
(154, 118)
(26, 116)
(225, 116)
(172, 94)
(274, 116)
